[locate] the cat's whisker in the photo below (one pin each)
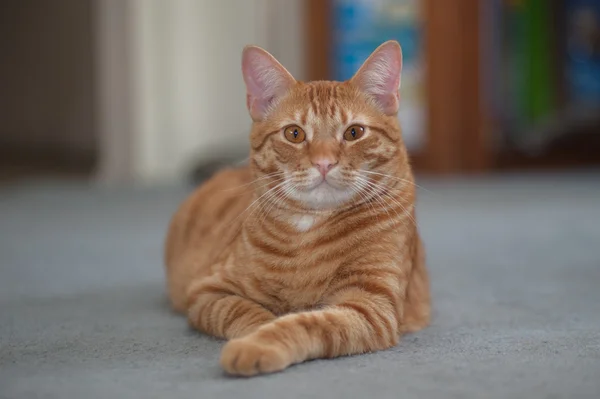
(362, 187)
(242, 161)
(275, 200)
(385, 186)
(394, 200)
(381, 185)
(384, 189)
(267, 176)
(258, 199)
(384, 195)
(397, 179)
(356, 189)
(385, 203)
(275, 180)
(266, 201)
(359, 201)
(375, 195)
(291, 188)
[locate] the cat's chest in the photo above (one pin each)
(291, 292)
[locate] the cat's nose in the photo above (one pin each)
(324, 165)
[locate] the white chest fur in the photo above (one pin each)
(303, 222)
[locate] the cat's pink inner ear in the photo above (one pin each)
(379, 76)
(266, 80)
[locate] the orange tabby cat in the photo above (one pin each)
(312, 251)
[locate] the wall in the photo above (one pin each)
(46, 88)
(177, 65)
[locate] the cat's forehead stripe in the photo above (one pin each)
(323, 105)
(304, 117)
(332, 111)
(312, 100)
(322, 102)
(345, 116)
(336, 114)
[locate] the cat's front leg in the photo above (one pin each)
(217, 307)
(361, 318)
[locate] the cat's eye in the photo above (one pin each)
(354, 132)
(294, 134)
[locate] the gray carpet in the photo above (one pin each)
(515, 265)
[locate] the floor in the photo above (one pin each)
(515, 268)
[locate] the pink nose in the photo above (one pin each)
(324, 165)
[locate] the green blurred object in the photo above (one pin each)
(529, 49)
(516, 49)
(541, 88)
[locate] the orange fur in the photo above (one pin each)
(290, 271)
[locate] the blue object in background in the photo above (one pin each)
(583, 51)
(360, 26)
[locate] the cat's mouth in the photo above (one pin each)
(324, 184)
(324, 194)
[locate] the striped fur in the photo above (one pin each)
(302, 272)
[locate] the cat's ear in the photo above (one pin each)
(266, 80)
(379, 76)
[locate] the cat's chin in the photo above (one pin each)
(325, 196)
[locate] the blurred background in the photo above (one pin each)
(151, 91)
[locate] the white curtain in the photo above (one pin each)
(178, 81)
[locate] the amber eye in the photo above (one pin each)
(354, 132)
(294, 134)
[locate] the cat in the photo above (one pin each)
(312, 250)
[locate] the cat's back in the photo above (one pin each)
(202, 224)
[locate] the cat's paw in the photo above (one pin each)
(248, 357)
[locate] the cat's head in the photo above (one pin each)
(325, 144)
